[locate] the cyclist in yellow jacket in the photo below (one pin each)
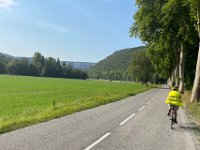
(174, 99)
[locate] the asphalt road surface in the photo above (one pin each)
(136, 123)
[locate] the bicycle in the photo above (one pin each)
(172, 115)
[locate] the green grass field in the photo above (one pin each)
(27, 100)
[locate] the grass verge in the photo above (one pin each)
(193, 113)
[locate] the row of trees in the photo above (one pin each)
(169, 29)
(109, 75)
(41, 66)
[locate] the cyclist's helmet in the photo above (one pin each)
(175, 88)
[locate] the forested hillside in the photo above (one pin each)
(115, 66)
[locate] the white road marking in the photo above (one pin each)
(148, 102)
(123, 122)
(141, 108)
(96, 142)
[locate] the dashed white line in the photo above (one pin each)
(148, 102)
(107, 134)
(141, 108)
(96, 142)
(123, 122)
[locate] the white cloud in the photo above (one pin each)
(51, 26)
(7, 3)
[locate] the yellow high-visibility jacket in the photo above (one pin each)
(174, 98)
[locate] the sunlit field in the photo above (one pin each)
(27, 100)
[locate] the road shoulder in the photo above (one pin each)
(192, 141)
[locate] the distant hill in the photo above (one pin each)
(77, 65)
(80, 65)
(114, 66)
(5, 58)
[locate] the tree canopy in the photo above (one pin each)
(169, 30)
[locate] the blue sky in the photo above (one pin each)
(73, 30)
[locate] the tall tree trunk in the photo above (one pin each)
(196, 86)
(181, 69)
(169, 81)
(176, 74)
(173, 79)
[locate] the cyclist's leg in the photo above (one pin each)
(176, 114)
(169, 110)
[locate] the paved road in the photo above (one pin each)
(135, 123)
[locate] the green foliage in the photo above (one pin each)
(148, 27)
(115, 66)
(2, 68)
(67, 70)
(140, 67)
(38, 61)
(50, 68)
(165, 26)
(26, 100)
(39, 66)
(19, 67)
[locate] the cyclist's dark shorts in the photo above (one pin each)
(175, 107)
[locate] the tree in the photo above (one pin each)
(49, 69)
(149, 28)
(196, 86)
(38, 61)
(140, 68)
(23, 66)
(59, 72)
(67, 70)
(12, 67)
(33, 70)
(2, 68)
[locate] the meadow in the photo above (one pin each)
(27, 100)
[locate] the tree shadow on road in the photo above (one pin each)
(188, 127)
